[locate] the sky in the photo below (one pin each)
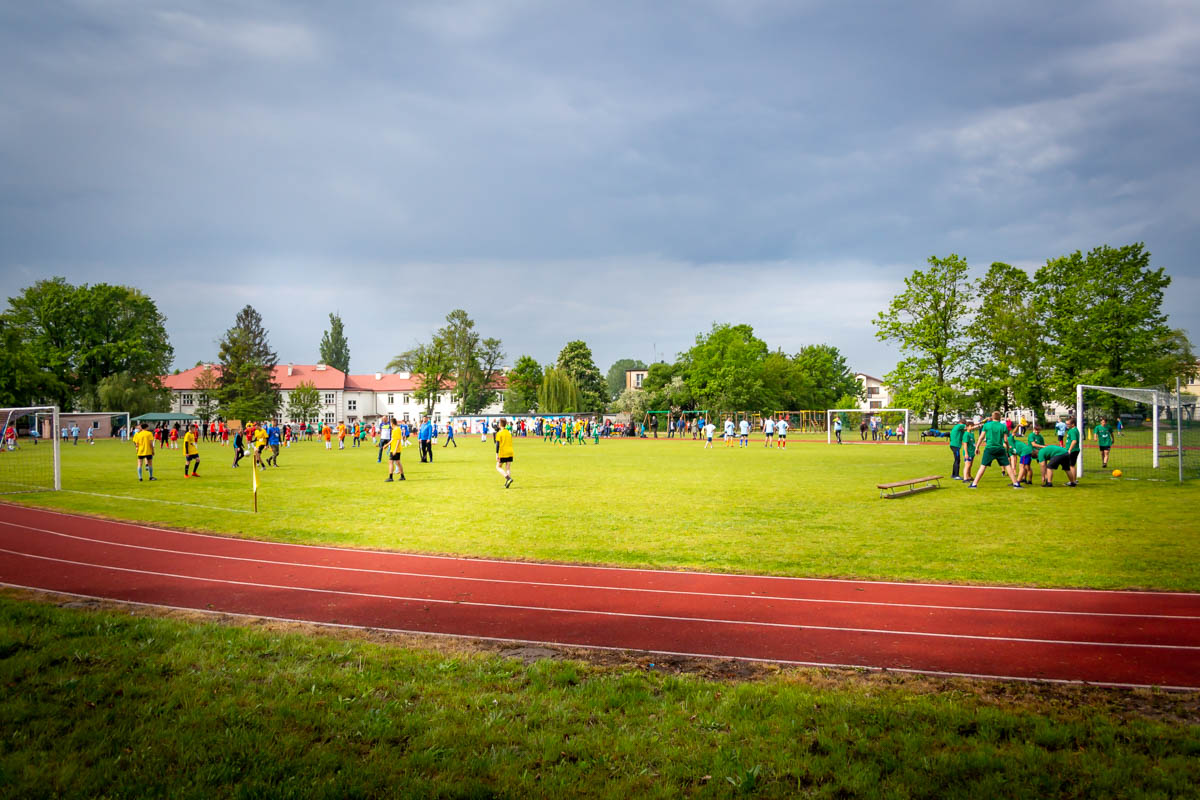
(626, 173)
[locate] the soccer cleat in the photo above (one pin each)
(1017, 486)
(507, 482)
(402, 478)
(972, 486)
(153, 478)
(1047, 485)
(388, 479)
(957, 478)
(1072, 483)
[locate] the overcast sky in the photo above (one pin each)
(625, 173)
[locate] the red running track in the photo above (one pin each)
(1110, 638)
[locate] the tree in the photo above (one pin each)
(927, 320)
(304, 402)
(335, 350)
(823, 378)
(575, 359)
(80, 335)
(432, 364)
(206, 384)
(633, 403)
(724, 369)
(559, 394)
(475, 362)
(1105, 323)
(23, 381)
(246, 388)
(524, 381)
(1007, 349)
(127, 392)
(616, 375)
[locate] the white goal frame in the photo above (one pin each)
(831, 411)
(1156, 398)
(37, 411)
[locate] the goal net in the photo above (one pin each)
(29, 454)
(1149, 433)
(879, 425)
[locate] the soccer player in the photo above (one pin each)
(327, 435)
(1072, 448)
(191, 454)
(969, 443)
(143, 440)
(385, 438)
(450, 437)
(744, 433)
(728, 434)
(957, 431)
(992, 437)
(768, 431)
(395, 447)
(781, 429)
(1104, 439)
(273, 442)
(1060, 430)
(239, 442)
(709, 430)
(1052, 457)
(424, 437)
(1021, 459)
(504, 452)
(837, 428)
(260, 444)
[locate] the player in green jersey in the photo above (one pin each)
(1072, 446)
(1104, 439)
(1051, 457)
(969, 443)
(992, 440)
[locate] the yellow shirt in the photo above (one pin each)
(260, 437)
(189, 444)
(145, 443)
(504, 446)
(397, 444)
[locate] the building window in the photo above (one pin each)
(406, 399)
(638, 379)
(329, 398)
(437, 418)
(329, 418)
(186, 400)
(352, 405)
(876, 404)
(872, 390)
(391, 399)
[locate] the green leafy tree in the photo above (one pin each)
(23, 381)
(476, 363)
(246, 388)
(1007, 349)
(633, 403)
(304, 402)
(823, 378)
(928, 322)
(1105, 323)
(575, 359)
(205, 386)
(126, 392)
(82, 334)
(616, 375)
(559, 393)
(433, 366)
(524, 381)
(724, 369)
(335, 350)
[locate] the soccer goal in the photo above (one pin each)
(1148, 432)
(29, 458)
(879, 425)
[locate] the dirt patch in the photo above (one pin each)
(1046, 698)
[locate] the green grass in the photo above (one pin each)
(108, 703)
(812, 510)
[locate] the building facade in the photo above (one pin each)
(875, 393)
(343, 398)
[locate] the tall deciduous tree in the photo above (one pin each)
(1007, 349)
(524, 381)
(304, 402)
(335, 350)
(246, 388)
(928, 322)
(125, 392)
(724, 369)
(616, 375)
(824, 378)
(560, 394)
(433, 367)
(575, 359)
(1105, 322)
(476, 362)
(80, 335)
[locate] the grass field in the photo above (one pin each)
(810, 510)
(105, 703)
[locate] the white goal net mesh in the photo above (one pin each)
(29, 453)
(879, 425)
(1144, 433)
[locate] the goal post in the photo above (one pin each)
(30, 455)
(1144, 446)
(892, 424)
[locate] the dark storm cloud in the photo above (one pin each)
(624, 173)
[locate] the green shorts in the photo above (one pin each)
(991, 454)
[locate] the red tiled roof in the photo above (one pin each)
(386, 382)
(326, 378)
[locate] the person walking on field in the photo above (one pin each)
(957, 431)
(395, 446)
(424, 440)
(504, 452)
(450, 437)
(992, 441)
(144, 441)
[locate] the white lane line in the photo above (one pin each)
(717, 656)
(156, 500)
(633, 570)
(505, 581)
(623, 614)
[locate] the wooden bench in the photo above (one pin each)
(888, 490)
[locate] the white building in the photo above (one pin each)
(876, 393)
(344, 398)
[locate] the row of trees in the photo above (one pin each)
(455, 359)
(1011, 340)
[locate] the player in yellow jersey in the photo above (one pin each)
(504, 452)
(144, 441)
(394, 465)
(260, 444)
(191, 454)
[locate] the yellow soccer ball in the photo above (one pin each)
(1116, 473)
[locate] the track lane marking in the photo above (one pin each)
(623, 614)
(596, 587)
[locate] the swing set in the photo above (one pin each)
(808, 421)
